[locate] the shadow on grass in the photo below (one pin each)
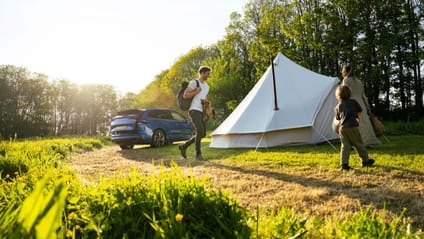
(171, 152)
(382, 195)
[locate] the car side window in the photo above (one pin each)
(160, 114)
(166, 115)
(154, 114)
(177, 116)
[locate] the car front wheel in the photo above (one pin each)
(158, 138)
(126, 146)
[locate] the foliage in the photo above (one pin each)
(285, 224)
(33, 196)
(49, 201)
(401, 128)
(128, 101)
(24, 102)
(11, 167)
(163, 90)
(382, 40)
(31, 106)
(41, 212)
(163, 205)
(24, 155)
(367, 223)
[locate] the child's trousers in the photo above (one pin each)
(350, 137)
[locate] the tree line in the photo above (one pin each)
(31, 105)
(382, 39)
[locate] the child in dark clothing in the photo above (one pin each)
(348, 112)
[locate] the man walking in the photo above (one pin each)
(198, 91)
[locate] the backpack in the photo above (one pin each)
(184, 104)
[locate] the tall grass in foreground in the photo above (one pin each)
(23, 164)
(166, 204)
(21, 156)
(46, 200)
(368, 223)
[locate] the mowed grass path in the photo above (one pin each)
(304, 178)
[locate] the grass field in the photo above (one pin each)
(288, 192)
(308, 179)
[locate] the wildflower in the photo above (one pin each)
(68, 233)
(72, 215)
(179, 217)
(77, 227)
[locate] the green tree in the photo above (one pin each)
(128, 101)
(383, 40)
(163, 90)
(24, 106)
(63, 103)
(233, 72)
(95, 105)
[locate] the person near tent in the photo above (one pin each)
(348, 113)
(365, 128)
(279, 110)
(199, 95)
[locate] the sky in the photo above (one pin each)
(123, 43)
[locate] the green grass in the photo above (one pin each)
(391, 191)
(49, 201)
(304, 193)
(405, 128)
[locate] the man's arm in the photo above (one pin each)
(190, 93)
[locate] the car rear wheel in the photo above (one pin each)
(126, 146)
(158, 138)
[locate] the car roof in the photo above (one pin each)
(139, 111)
(130, 111)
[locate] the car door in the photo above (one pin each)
(161, 119)
(183, 127)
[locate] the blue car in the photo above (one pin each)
(155, 126)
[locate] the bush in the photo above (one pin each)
(164, 205)
(405, 128)
(368, 224)
(10, 168)
(285, 224)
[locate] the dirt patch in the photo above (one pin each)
(311, 191)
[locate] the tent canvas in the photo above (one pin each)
(306, 104)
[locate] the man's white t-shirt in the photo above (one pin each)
(196, 103)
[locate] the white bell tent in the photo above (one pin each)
(301, 110)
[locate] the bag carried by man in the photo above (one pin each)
(184, 104)
(377, 125)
